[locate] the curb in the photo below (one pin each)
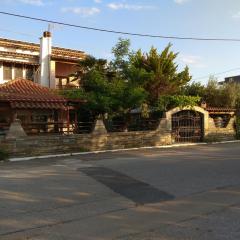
(118, 150)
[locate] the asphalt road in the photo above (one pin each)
(187, 193)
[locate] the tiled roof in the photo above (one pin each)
(220, 109)
(26, 94)
(57, 52)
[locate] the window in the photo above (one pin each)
(7, 71)
(39, 118)
(22, 118)
(30, 73)
(18, 71)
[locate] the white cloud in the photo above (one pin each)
(192, 60)
(97, 1)
(236, 15)
(30, 2)
(119, 6)
(33, 2)
(84, 11)
(180, 1)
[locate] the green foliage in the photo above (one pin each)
(194, 89)
(212, 139)
(226, 95)
(231, 95)
(168, 102)
(88, 65)
(73, 93)
(132, 80)
(148, 81)
(213, 93)
(238, 127)
(121, 55)
(103, 91)
(159, 72)
(3, 155)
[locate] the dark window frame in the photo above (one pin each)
(7, 71)
(18, 67)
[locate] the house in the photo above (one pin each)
(233, 79)
(40, 109)
(29, 76)
(41, 63)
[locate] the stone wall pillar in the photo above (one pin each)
(16, 130)
(164, 125)
(99, 138)
(99, 127)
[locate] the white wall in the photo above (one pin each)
(1, 73)
(52, 74)
(44, 61)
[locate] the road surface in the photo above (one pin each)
(186, 193)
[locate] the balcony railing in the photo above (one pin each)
(67, 87)
(38, 128)
(4, 128)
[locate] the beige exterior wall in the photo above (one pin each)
(42, 56)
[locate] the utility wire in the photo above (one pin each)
(216, 74)
(128, 33)
(120, 32)
(20, 33)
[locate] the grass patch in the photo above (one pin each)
(82, 149)
(212, 139)
(4, 155)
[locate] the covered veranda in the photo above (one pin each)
(40, 109)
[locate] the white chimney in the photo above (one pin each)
(45, 59)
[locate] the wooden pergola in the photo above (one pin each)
(40, 109)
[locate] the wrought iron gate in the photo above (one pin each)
(187, 126)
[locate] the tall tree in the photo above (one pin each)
(105, 91)
(194, 89)
(88, 65)
(161, 71)
(121, 53)
(131, 80)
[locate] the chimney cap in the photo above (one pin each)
(46, 34)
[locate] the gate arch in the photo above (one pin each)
(188, 124)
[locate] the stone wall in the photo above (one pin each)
(98, 140)
(211, 133)
(214, 133)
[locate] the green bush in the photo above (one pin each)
(212, 139)
(238, 127)
(3, 155)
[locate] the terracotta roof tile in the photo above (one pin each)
(26, 94)
(220, 109)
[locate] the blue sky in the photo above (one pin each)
(202, 18)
